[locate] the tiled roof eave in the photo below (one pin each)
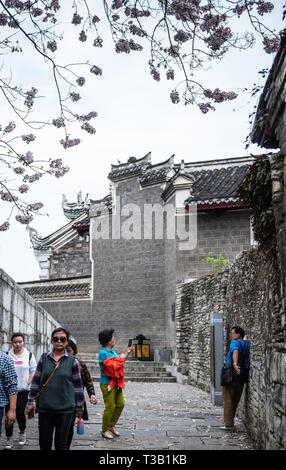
(217, 204)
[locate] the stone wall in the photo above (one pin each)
(249, 294)
(71, 260)
(20, 313)
(219, 231)
(75, 315)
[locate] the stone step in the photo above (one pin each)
(94, 365)
(135, 370)
(144, 379)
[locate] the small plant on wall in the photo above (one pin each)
(221, 263)
(255, 191)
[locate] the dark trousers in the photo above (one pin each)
(70, 435)
(22, 398)
(231, 395)
(58, 423)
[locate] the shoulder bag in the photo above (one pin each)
(226, 375)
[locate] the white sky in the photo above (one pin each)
(135, 116)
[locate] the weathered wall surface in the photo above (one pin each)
(134, 280)
(71, 260)
(75, 315)
(20, 313)
(219, 231)
(248, 294)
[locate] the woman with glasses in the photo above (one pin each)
(56, 392)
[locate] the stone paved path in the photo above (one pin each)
(164, 416)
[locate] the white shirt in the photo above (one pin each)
(23, 367)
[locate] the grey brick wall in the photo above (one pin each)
(75, 315)
(71, 260)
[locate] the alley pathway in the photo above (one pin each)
(158, 416)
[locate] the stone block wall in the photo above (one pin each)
(19, 312)
(219, 231)
(75, 315)
(248, 294)
(71, 260)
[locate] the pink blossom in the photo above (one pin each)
(88, 128)
(6, 196)
(182, 36)
(11, 126)
(218, 38)
(35, 206)
(175, 98)
(27, 159)
(96, 70)
(52, 45)
(24, 219)
(28, 138)
(264, 7)
(19, 170)
(271, 45)
(75, 96)
(67, 143)
(24, 188)
(4, 226)
(58, 122)
(82, 36)
(170, 74)
(76, 19)
(205, 107)
(80, 81)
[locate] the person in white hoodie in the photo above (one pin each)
(25, 365)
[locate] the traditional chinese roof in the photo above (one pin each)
(131, 168)
(58, 238)
(272, 102)
(158, 173)
(217, 186)
(211, 183)
(54, 289)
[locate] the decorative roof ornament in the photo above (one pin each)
(73, 209)
(33, 235)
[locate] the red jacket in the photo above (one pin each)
(113, 367)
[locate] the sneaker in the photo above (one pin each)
(22, 439)
(9, 444)
(107, 434)
(114, 431)
(227, 428)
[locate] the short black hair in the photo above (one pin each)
(14, 335)
(105, 336)
(72, 344)
(57, 330)
(239, 331)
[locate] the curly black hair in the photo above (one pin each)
(105, 336)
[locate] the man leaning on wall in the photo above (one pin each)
(238, 359)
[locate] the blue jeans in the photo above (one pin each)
(1, 416)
